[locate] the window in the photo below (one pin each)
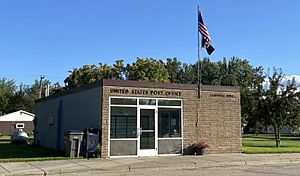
(169, 103)
(20, 125)
(123, 122)
(126, 112)
(123, 101)
(147, 102)
(169, 122)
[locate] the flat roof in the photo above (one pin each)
(144, 84)
(141, 84)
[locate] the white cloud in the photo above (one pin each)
(284, 81)
(297, 79)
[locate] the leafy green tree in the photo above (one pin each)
(188, 74)
(25, 96)
(91, 73)
(210, 72)
(238, 72)
(223, 72)
(55, 88)
(7, 89)
(17, 101)
(280, 104)
(241, 73)
(32, 94)
(174, 70)
(118, 70)
(147, 69)
(234, 72)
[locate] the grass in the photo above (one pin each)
(23, 152)
(261, 143)
(265, 143)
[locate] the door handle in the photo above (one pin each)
(139, 131)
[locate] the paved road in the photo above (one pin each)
(221, 164)
(258, 170)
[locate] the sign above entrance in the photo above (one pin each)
(145, 92)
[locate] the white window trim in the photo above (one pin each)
(139, 107)
(169, 138)
(22, 124)
(124, 139)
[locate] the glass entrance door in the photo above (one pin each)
(147, 132)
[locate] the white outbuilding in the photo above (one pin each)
(19, 119)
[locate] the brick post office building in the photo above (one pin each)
(143, 118)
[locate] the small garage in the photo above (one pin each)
(19, 119)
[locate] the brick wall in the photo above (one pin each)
(215, 118)
(105, 120)
(6, 127)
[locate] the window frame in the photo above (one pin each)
(126, 131)
(138, 106)
(180, 117)
(20, 124)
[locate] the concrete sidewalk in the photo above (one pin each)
(121, 165)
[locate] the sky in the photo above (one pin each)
(51, 37)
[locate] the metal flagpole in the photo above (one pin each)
(199, 59)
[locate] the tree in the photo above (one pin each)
(32, 94)
(188, 74)
(147, 69)
(280, 104)
(91, 73)
(232, 72)
(236, 72)
(14, 98)
(25, 96)
(249, 79)
(210, 72)
(7, 89)
(55, 88)
(223, 73)
(118, 70)
(173, 67)
(18, 100)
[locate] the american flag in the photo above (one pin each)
(205, 35)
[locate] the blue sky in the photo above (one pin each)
(50, 37)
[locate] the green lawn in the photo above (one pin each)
(262, 143)
(23, 152)
(265, 143)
